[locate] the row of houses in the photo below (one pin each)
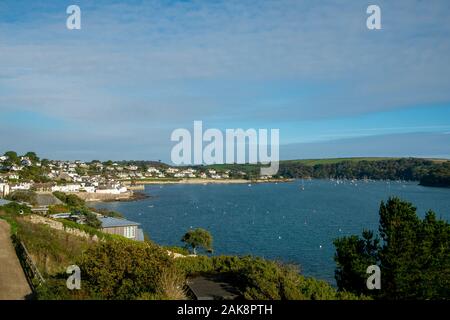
(109, 188)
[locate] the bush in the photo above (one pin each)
(125, 269)
(260, 279)
(58, 208)
(13, 208)
(71, 200)
(108, 213)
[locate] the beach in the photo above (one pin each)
(204, 181)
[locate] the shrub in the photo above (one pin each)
(260, 279)
(125, 269)
(71, 200)
(13, 208)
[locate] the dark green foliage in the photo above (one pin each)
(437, 177)
(260, 279)
(69, 199)
(32, 156)
(13, 208)
(393, 169)
(124, 269)
(77, 206)
(33, 173)
(13, 158)
(414, 255)
(108, 213)
(198, 238)
(91, 220)
(353, 256)
(429, 172)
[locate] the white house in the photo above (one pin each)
(112, 190)
(67, 188)
(179, 175)
(172, 170)
(4, 189)
(21, 186)
(26, 162)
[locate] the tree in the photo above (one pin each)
(414, 257)
(32, 156)
(72, 200)
(198, 238)
(353, 256)
(91, 219)
(13, 158)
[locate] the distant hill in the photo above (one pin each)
(430, 172)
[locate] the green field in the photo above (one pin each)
(313, 162)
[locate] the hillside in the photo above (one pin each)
(430, 172)
(118, 268)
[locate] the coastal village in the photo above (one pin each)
(79, 176)
(34, 182)
(108, 180)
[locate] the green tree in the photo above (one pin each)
(414, 255)
(198, 238)
(71, 200)
(13, 158)
(91, 219)
(32, 156)
(353, 256)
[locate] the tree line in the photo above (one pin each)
(428, 172)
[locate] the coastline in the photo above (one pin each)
(140, 186)
(204, 181)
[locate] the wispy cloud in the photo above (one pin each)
(144, 68)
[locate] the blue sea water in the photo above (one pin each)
(292, 222)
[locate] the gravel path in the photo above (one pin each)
(13, 284)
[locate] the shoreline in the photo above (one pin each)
(136, 191)
(205, 181)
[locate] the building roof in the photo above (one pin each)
(110, 222)
(212, 287)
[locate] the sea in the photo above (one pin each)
(293, 222)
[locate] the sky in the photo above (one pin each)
(137, 70)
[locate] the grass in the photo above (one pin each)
(313, 162)
(52, 250)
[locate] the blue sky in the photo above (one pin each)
(137, 70)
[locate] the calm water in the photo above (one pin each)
(276, 221)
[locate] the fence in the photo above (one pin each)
(30, 269)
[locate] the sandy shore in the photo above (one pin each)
(209, 181)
